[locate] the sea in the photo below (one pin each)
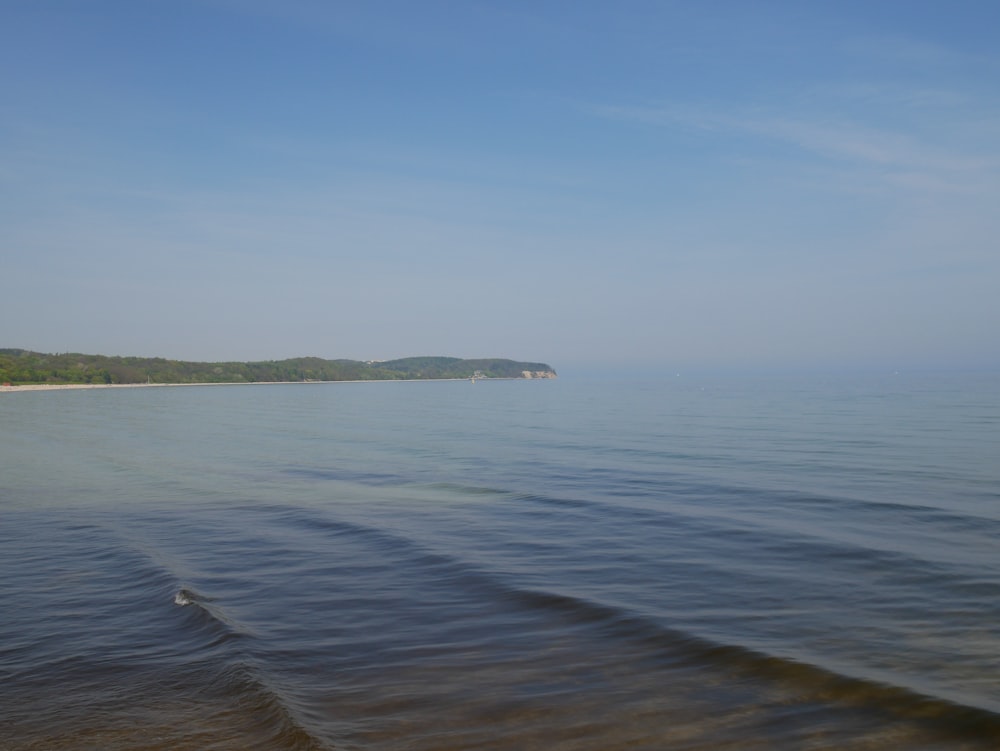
(706, 563)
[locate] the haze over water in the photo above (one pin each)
(710, 563)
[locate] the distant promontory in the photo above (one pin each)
(19, 366)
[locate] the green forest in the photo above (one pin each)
(18, 366)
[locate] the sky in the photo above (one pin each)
(588, 184)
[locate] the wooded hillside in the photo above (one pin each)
(18, 366)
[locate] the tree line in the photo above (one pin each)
(18, 366)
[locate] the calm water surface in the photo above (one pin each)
(806, 563)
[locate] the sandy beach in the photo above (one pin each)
(62, 386)
(76, 386)
(66, 386)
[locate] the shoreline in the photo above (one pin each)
(79, 386)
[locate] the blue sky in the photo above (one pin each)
(661, 184)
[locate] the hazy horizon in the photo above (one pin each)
(668, 185)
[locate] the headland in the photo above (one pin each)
(24, 369)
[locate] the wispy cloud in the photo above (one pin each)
(919, 162)
(909, 52)
(847, 140)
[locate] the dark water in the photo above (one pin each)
(682, 564)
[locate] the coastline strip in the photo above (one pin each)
(75, 386)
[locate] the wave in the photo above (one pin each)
(684, 649)
(664, 487)
(663, 492)
(809, 682)
(344, 475)
(875, 554)
(269, 709)
(210, 617)
(233, 677)
(465, 490)
(155, 574)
